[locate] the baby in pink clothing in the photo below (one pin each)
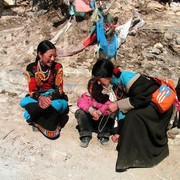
(92, 108)
(94, 101)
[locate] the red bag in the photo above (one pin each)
(165, 95)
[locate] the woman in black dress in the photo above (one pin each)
(143, 140)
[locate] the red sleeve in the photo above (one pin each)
(59, 82)
(32, 84)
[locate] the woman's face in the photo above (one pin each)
(48, 58)
(104, 81)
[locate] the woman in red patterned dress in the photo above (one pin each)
(46, 104)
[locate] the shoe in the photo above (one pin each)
(85, 142)
(104, 141)
(35, 129)
(121, 170)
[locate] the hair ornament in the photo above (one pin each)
(116, 72)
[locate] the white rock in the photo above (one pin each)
(10, 2)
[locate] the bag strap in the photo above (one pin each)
(159, 81)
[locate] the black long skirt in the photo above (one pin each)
(143, 139)
(49, 121)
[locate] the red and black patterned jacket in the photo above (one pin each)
(37, 86)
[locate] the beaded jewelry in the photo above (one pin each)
(41, 73)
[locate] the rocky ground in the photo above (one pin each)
(24, 154)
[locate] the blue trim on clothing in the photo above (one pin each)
(47, 93)
(26, 100)
(126, 76)
(121, 115)
(114, 80)
(59, 104)
(27, 116)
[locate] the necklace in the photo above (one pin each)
(42, 74)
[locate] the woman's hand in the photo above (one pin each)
(44, 102)
(95, 115)
(113, 107)
(115, 138)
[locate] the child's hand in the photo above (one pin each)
(115, 138)
(95, 115)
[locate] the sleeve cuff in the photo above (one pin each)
(99, 112)
(91, 110)
(125, 105)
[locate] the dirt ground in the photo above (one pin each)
(25, 154)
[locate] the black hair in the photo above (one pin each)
(43, 47)
(103, 68)
(97, 91)
(91, 81)
(96, 88)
